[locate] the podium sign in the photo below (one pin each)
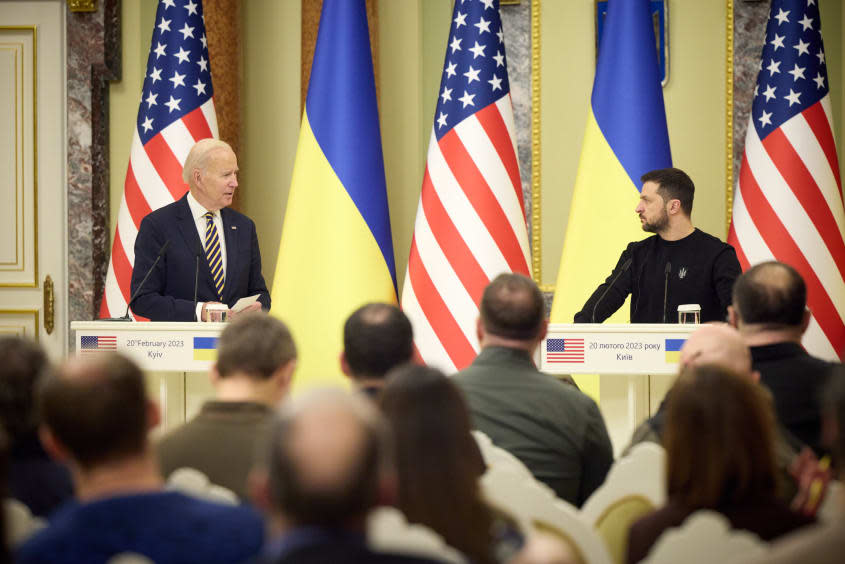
(593, 348)
(155, 346)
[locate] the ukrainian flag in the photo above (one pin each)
(625, 137)
(336, 251)
(673, 350)
(205, 348)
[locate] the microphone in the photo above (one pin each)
(667, 270)
(625, 266)
(196, 277)
(141, 285)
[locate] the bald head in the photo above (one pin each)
(328, 454)
(97, 408)
(770, 295)
(717, 344)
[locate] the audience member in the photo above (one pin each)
(720, 449)
(376, 338)
(554, 429)
(430, 422)
(714, 344)
(329, 464)
(5, 553)
(96, 417)
(824, 543)
(34, 479)
(769, 309)
(256, 357)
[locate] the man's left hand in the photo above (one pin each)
(256, 306)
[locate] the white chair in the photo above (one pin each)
(536, 509)
(498, 457)
(389, 531)
(635, 486)
(705, 537)
(192, 482)
(832, 507)
(20, 522)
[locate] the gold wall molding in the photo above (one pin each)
(19, 312)
(34, 282)
(82, 5)
(536, 174)
(729, 112)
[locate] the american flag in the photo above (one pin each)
(96, 343)
(470, 222)
(788, 202)
(564, 351)
(176, 111)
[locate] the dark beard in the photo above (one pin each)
(658, 225)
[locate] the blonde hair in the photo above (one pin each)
(198, 156)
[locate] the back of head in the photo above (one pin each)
(376, 338)
(771, 294)
(431, 422)
(97, 408)
(719, 439)
(512, 307)
(673, 184)
(22, 364)
(254, 344)
(197, 158)
(717, 344)
(329, 452)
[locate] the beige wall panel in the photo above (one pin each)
(270, 118)
(23, 323)
(18, 181)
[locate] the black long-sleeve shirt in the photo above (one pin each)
(702, 270)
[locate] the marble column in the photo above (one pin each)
(93, 59)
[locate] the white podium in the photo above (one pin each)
(175, 356)
(636, 362)
(594, 348)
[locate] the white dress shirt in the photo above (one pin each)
(198, 213)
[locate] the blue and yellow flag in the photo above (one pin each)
(336, 251)
(625, 137)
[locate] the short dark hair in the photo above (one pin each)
(512, 307)
(97, 408)
(350, 494)
(673, 184)
(22, 364)
(377, 337)
(719, 439)
(255, 344)
(770, 293)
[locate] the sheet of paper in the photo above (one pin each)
(244, 302)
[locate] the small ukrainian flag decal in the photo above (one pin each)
(205, 348)
(673, 350)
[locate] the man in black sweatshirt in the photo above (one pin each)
(680, 264)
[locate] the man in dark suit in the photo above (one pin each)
(770, 310)
(328, 464)
(204, 239)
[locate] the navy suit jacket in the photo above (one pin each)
(168, 294)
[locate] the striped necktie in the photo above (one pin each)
(212, 253)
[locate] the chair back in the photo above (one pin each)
(495, 456)
(703, 538)
(635, 486)
(20, 522)
(535, 508)
(192, 482)
(389, 531)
